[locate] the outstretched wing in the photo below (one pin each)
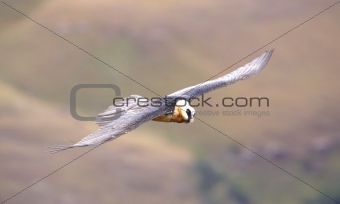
(119, 108)
(116, 123)
(241, 73)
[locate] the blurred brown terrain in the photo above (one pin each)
(167, 46)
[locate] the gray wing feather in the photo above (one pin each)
(115, 111)
(128, 121)
(241, 73)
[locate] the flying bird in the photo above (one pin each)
(129, 113)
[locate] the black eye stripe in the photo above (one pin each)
(188, 112)
(189, 115)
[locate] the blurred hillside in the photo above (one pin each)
(167, 46)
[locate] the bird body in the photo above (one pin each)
(128, 114)
(182, 113)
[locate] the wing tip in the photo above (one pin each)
(265, 58)
(58, 148)
(270, 53)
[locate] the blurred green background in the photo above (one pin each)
(168, 45)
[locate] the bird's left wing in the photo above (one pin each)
(241, 73)
(130, 120)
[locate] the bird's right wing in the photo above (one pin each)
(112, 127)
(241, 73)
(119, 108)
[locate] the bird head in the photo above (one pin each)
(187, 111)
